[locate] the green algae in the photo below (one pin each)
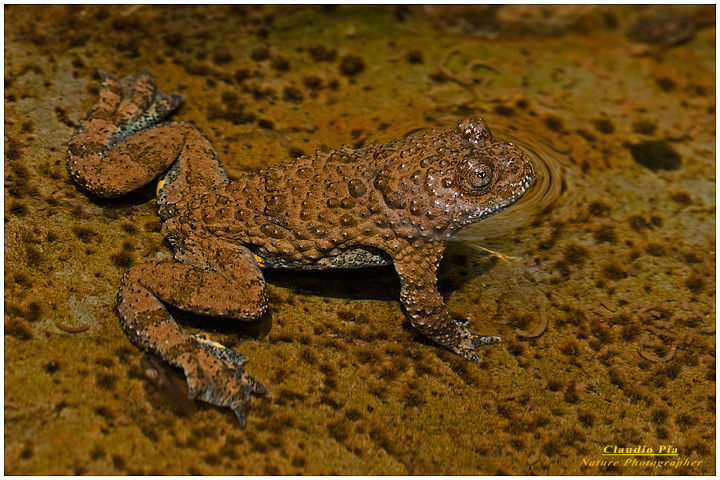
(604, 291)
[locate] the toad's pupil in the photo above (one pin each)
(480, 177)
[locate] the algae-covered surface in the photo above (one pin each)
(601, 280)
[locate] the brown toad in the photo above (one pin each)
(397, 203)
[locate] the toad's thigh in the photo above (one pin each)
(221, 280)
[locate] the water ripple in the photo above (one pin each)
(550, 161)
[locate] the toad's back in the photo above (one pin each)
(343, 209)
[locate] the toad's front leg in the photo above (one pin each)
(216, 279)
(417, 269)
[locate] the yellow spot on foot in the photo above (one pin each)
(160, 184)
(203, 338)
(259, 260)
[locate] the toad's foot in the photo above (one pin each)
(453, 335)
(215, 375)
(120, 146)
(468, 341)
(132, 103)
(457, 338)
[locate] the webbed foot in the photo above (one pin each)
(216, 376)
(132, 103)
(121, 145)
(468, 341)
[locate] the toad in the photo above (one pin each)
(396, 203)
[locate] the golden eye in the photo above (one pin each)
(474, 176)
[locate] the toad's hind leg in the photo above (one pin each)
(221, 280)
(121, 146)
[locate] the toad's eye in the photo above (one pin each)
(474, 176)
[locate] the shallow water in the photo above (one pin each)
(601, 279)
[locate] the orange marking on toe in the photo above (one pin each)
(160, 184)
